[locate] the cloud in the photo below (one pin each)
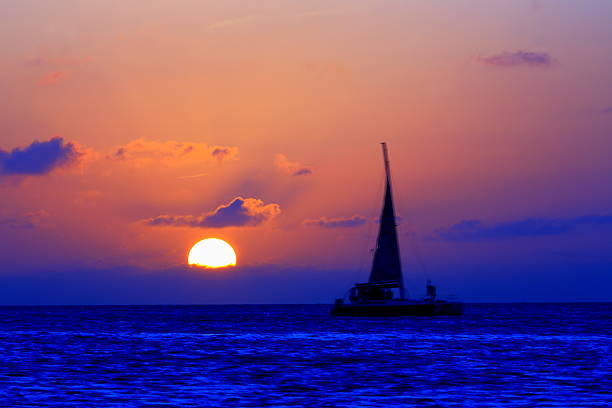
(142, 151)
(223, 152)
(52, 78)
(341, 222)
(292, 168)
(242, 211)
(39, 157)
(29, 220)
(16, 223)
(474, 230)
(607, 110)
(517, 58)
(238, 213)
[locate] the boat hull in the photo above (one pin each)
(415, 308)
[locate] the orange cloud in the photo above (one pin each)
(289, 167)
(142, 151)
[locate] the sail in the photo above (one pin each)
(387, 266)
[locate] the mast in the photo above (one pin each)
(386, 266)
(386, 159)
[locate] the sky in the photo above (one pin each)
(130, 131)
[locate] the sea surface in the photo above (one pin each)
(496, 355)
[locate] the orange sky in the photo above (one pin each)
(320, 83)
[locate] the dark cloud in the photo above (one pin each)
(235, 213)
(607, 110)
(16, 223)
(302, 172)
(518, 58)
(221, 152)
(120, 153)
(239, 212)
(341, 222)
(28, 220)
(475, 230)
(39, 157)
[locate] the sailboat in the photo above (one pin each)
(384, 293)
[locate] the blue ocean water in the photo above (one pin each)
(497, 355)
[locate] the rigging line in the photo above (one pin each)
(367, 250)
(404, 230)
(418, 254)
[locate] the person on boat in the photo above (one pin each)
(430, 291)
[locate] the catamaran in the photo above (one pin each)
(384, 293)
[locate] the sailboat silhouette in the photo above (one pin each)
(384, 293)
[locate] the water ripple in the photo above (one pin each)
(553, 355)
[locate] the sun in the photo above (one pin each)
(212, 253)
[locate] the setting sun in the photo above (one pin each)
(212, 253)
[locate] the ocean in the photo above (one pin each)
(496, 355)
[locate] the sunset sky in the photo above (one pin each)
(130, 130)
